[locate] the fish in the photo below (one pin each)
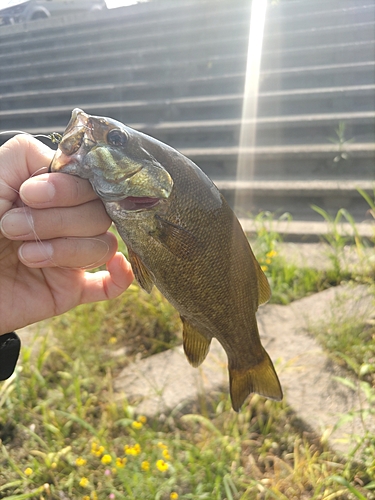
(182, 237)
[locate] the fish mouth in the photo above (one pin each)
(137, 203)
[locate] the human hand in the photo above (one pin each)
(46, 245)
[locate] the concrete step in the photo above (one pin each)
(178, 72)
(141, 46)
(134, 52)
(141, 63)
(323, 75)
(199, 77)
(287, 17)
(289, 151)
(147, 23)
(297, 186)
(132, 21)
(296, 8)
(296, 101)
(309, 231)
(187, 39)
(287, 161)
(297, 196)
(318, 53)
(348, 31)
(272, 130)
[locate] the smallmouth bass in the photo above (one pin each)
(183, 238)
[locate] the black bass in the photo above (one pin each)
(182, 237)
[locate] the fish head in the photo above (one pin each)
(113, 158)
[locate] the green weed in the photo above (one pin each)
(341, 142)
(288, 281)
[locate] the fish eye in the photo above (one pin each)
(116, 137)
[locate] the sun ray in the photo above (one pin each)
(247, 140)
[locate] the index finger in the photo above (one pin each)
(20, 158)
(56, 190)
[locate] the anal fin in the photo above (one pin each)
(196, 345)
(260, 378)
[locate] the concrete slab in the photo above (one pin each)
(166, 382)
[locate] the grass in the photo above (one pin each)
(72, 441)
(288, 281)
(349, 336)
(63, 435)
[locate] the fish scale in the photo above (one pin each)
(182, 237)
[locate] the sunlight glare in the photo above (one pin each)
(245, 161)
(113, 4)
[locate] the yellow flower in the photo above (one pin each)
(137, 425)
(264, 268)
(81, 461)
(86, 497)
(121, 462)
(166, 454)
(145, 465)
(142, 419)
(84, 482)
(28, 471)
(137, 448)
(132, 450)
(162, 466)
(173, 496)
(112, 340)
(106, 459)
(97, 450)
(162, 445)
(271, 254)
(53, 465)
(94, 496)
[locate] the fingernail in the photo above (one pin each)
(37, 190)
(18, 222)
(34, 252)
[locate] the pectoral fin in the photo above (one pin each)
(196, 345)
(260, 378)
(141, 273)
(176, 239)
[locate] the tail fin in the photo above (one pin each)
(260, 378)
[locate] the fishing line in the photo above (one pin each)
(54, 137)
(28, 214)
(95, 263)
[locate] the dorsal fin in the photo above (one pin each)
(264, 289)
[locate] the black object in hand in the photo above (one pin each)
(10, 346)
